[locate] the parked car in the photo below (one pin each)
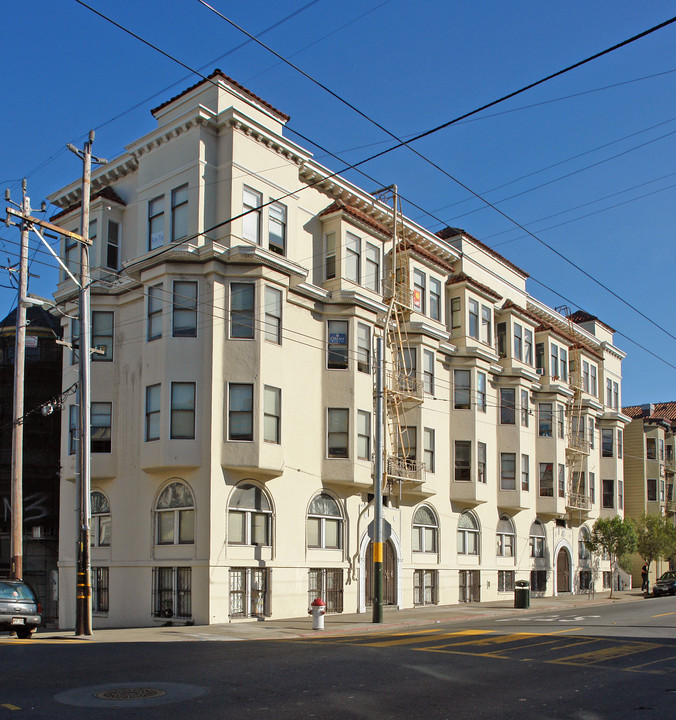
(20, 611)
(665, 585)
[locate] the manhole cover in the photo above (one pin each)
(130, 694)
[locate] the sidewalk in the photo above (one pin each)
(301, 627)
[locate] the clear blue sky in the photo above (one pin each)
(410, 66)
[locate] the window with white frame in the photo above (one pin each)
(249, 592)
(462, 389)
(563, 369)
(505, 580)
(468, 534)
(592, 432)
(330, 256)
(425, 530)
(507, 471)
(73, 433)
(554, 360)
(100, 578)
(101, 422)
(562, 480)
(172, 592)
(537, 539)
(353, 258)
(473, 318)
(240, 411)
(608, 498)
(525, 408)
(456, 316)
(518, 342)
(428, 372)
(363, 348)
(545, 419)
(507, 406)
(616, 396)
(609, 393)
(272, 414)
(435, 299)
(560, 419)
(525, 472)
(363, 435)
(372, 267)
(486, 325)
(251, 221)
(100, 520)
(277, 228)
(184, 315)
(583, 552)
(481, 392)
(156, 223)
(154, 312)
(425, 584)
(481, 462)
(182, 419)
(324, 523)
(593, 380)
(337, 432)
(429, 449)
(113, 245)
(337, 345)
(505, 537)
(407, 444)
(273, 315)
(175, 516)
(419, 290)
(153, 397)
(179, 213)
(103, 322)
(242, 310)
(607, 449)
(249, 516)
(528, 346)
(546, 480)
(463, 460)
(585, 376)
(592, 488)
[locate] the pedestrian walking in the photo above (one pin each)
(645, 587)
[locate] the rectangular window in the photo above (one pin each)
(501, 332)
(561, 418)
(608, 493)
(113, 245)
(563, 368)
(525, 408)
(463, 460)
(277, 228)
(507, 471)
(528, 346)
(456, 317)
(662, 492)
(540, 358)
(620, 494)
(525, 472)
(363, 435)
(101, 421)
(650, 448)
(462, 389)
(353, 258)
(249, 594)
(184, 322)
(240, 411)
(251, 221)
(507, 406)
(272, 414)
(609, 393)
(592, 433)
(100, 590)
(554, 361)
(330, 257)
(428, 372)
(407, 443)
(538, 581)
(363, 348)
(593, 382)
(419, 290)
(546, 480)
(518, 342)
(153, 396)
(156, 223)
(486, 334)
(71, 254)
(607, 443)
(505, 580)
(473, 308)
(616, 396)
(620, 444)
(182, 410)
(328, 585)
(592, 487)
(102, 334)
(435, 299)
(562, 480)
(545, 420)
(372, 268)
(660, 445)
(242, 310)
(273, 315)
(337, 433)
(429, 450)
(179, 213)
(651, 485)
(337, 344)
(154, 312)
(481, 391)
(425, 587)
(172, 592)
(74, 341)
(73, 435)
(481, 462)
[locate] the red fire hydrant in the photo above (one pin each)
(317, 610)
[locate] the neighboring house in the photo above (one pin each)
(650, 468)
(240, 286)
(41, 452)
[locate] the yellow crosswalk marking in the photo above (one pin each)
(10, 707)
(408, 640)
(609, 653)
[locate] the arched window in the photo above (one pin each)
(425, 530)
(505, 537)
(101, 526)
(537, 540)
(175, 511)
(582, 550)
(324, 523)
(468, 534)
(249, 516)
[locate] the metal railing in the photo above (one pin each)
(403, 468)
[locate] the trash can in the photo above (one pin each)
(522, 594)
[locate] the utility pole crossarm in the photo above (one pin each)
(48, 226)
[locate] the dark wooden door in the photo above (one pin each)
(389, 574)
(563, 572)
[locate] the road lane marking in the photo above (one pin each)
(10, 707)
(652, 662)
(411, 640)
(609, 653)
(664, 614)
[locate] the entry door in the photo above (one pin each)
(389, 574)
(469, 586)
(563, 572)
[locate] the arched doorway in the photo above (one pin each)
(389, 575)
(563, 571)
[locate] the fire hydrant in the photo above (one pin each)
(317, 610)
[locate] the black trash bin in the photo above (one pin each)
(522, 594)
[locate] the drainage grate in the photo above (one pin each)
(130, 694)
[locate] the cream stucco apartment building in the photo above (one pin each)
(240, 286)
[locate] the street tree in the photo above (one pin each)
(652, 537)
(616, 537)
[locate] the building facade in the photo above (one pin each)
(650, 468)
(239, 288)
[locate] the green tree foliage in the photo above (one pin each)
(616, 536)
(653, 537)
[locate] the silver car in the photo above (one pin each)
(20, 611)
